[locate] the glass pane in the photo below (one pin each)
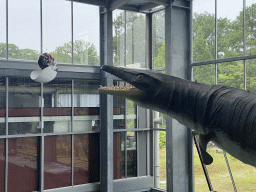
(57, 29)
(251, 75)
(232, 74)
(243, 174)
(2, 29)
(24, 106)
(2, 164)
(129, 39)
(86, 105)
(230, 28)
(23, 29)
(204, 74)
(203, 30)
(57, 106)
(131, 148)
(86, 34)
(250, 16)
(161, 155)
(22, 164)
(125, 111)
(86, 158)
(57, 161)
(119, 38)
(158, 40)
(119, 156)
(135, 39)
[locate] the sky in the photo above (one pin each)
(24, 21)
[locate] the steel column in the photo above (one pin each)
(106, 102)
(179, 161)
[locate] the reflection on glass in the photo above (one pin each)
(230, 28)
(2, 30)
(86, 158)
(57, 29)
(162, 160)
(2, 164)
(22, 164)
(203, 33)
(129, 39)
(119, 156)
(24, 106)
(57, 106)
(250, 16)
(232, 74)
(251, 75)
(23, 29)
(135, 39)
(204, 74)
(57, 161)
(119, 31)
(158, 40)
(86, 105)
(131, 148)
(125, 155)
(124, 111)
(86, 34)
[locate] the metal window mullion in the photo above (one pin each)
(41, 26)
(7, 29)
(41, 181)
(72, 33)
(6, 131)
(244, 41)
(216, 46)
(72, 129)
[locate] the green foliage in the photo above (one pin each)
(162, 139)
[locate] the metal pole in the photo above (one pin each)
(216, 46)
(6, 29)
(229, 170)
(156, 153)
(41, 26)
(6, 131)
(244, 41)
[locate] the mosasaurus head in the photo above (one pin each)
(148, 89)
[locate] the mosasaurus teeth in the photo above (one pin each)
(118, 88)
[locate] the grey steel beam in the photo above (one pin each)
(6, 46)
(177, 60)
(106, 102)
(224, 60)
(160, 2)
(148, 55)
(116, 4)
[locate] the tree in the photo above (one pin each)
(83, 53)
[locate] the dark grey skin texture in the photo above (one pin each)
(222, 114)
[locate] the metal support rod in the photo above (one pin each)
(229, 170)
(156, 153)
(41, 124)
(6, 29)
(204, 167)
(41, 26)
(216, 45)
(72, 129)
(244, 41)
(6, 131)
(72, 32)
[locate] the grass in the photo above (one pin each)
(244, 175)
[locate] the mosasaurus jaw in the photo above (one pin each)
(127, 91)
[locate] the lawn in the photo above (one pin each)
(244, 175)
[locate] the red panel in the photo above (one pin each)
(2, 164)
(22, 165)
(57, 165)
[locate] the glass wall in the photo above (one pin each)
(59, 115)
(61, 28)
(235, 41)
